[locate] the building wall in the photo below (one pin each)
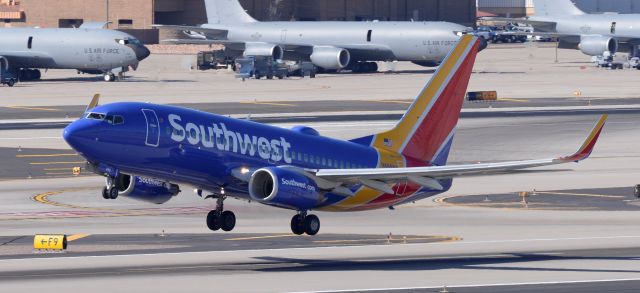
(47, 13)
(620, 6)
(517, 8)
(137, 16)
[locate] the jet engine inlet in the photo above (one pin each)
(264, 49)
(329, 57)
(597, 45)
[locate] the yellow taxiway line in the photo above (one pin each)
(580, 194)
(513, 100)
(269, 103)
(45, 156)
(262, 237)
(390, 101)
(31, 108)
(55, 163)
(75, 237)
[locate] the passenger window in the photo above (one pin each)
(306, 157)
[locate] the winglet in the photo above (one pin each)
(94, 102)
(588, 145)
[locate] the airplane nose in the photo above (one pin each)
(142, 52)
(76, 133)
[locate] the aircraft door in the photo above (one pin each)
(613, 28)
(153, 128)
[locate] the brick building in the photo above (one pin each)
(137, 16)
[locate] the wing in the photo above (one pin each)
(427, 176)
(213, 33)
(532, 22)
(15, 58)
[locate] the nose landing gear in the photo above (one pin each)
(110, 191)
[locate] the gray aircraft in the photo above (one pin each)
(89, 49)
(331, 45)
(593, 34)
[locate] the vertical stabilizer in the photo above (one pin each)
(555, 8)
(426, 130)
(226, 12)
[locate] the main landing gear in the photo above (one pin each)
(219, 218)
(364, 67)
(303, 223)
(110, 191)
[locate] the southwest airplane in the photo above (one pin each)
(88, 49)
(330, 45)
(146, 150)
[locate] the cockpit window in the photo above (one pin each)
(96, 116)
(114, 119)
(122, 41)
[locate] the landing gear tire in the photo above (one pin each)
(213, 221)
(227, 221)
(11, 82)
(311, 225)
(105, 193)
(219, 218)
(297, 226)
(303, 223)
(113, 193)
(109, 77)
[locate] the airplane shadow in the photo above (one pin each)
(99, 79)
(511, 262)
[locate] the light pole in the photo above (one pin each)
(106, 8)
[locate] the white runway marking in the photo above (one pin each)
(30, 138)
(328, 247)
(474, 286)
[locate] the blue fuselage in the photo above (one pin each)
(206, 150)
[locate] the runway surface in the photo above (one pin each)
(576, 231)
(574, 246)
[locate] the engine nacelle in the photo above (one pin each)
(329, 57)
(597, 45)
(263, 49)
(284, 188)
(146, 189)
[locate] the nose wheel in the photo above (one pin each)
(110, 191)
(219, 219)
(303, 223)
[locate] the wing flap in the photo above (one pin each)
(199, 29)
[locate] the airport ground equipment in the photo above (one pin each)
(482, 96)
(6, 76)
(216, 59)
(303, 69)
(259, 67)
(637, 191)
(294, 169)
(615, 61)
(331, 45)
